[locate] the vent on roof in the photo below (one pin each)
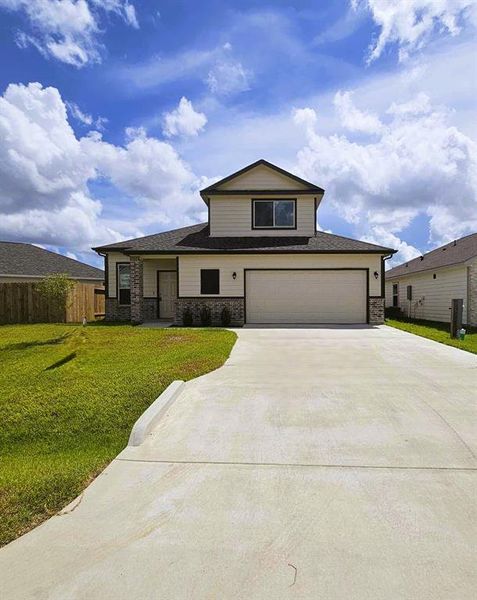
(407, 264)
(455, 243)
(444, 249)
(421, 257)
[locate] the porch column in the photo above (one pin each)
(137, 296)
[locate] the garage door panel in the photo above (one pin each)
(308, 296)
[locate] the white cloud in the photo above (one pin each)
(418, 164)
(228, 77)
(410, 23)
(85, 118)
(418, 105)
(354, 119)
(46, 172)
(67, 30)
(184, 120)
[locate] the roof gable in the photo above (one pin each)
(261, 176)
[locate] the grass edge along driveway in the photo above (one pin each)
(439, 332)
(69, 398)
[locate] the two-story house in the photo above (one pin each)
(259, 254)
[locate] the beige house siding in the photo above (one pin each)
(431, 298)
(262, 178)
(232, 216)
(190, 266)
(150, 274)
(150, 268)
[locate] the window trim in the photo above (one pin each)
(273, 227)
(395, 295)
(218, 283)
(118, 297)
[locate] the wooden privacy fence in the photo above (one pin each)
(21, 303)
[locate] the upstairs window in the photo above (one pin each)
(274, 214)
(209, 281)
(124, 284)
(395, 294)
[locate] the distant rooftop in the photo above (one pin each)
(454, 253)
(26, 260)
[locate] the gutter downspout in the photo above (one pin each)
(383, 281)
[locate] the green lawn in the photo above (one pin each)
(438, 332)
(68, 399)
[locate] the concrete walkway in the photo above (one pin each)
(328, 463)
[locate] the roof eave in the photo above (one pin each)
(131, 251)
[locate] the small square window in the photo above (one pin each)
(209, 281)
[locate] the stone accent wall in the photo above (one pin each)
(137, 284)
(150, 309)
(376, 311)
(473, 295)
(114, 312)
(216, 305)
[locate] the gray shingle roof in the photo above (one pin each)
(454, 253)
(195, 239)
(17, 258)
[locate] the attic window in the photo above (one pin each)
(274, 214)
(434, 276)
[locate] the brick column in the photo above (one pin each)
(137, 296)
(472, 281)
(376, 310)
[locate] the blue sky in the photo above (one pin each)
(114, 114)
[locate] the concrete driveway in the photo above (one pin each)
(328, 463)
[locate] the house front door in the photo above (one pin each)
(166, 294)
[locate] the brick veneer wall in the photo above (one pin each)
(216, 305)
(137, 299)
(376, 311)
(473, 294)
(114, 312)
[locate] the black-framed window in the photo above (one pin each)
(123, 275)
(209, 281)
(395, 294)
(274, 214)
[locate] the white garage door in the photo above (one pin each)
(289, 296)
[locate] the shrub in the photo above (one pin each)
(187, 318)
(205, 316)
(225, 316)
(56, 289)
(393, 312)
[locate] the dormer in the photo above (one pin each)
(262, 200)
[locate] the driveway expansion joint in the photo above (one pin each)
(303, 465)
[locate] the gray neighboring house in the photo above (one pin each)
(436, 278)
(259, 255)
(20, 262)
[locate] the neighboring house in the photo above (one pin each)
(259, 255)
(21, 262)
(424, 287)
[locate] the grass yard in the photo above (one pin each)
(438, 332)
(68, 399)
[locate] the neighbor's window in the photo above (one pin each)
(274, 214)
(395, 295)
(209, 281)
(124, 285)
